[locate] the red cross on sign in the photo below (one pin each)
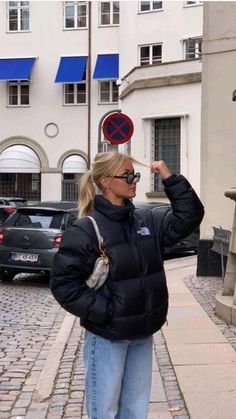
(118, 128)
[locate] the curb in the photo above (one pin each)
(46, 379)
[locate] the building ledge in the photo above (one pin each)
(162, 74)
(161, 82)
(160, 194)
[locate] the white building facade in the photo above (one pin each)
(59, 63)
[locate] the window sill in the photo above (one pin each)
(149, 64)
(186, 6)
(74, 104)
(27, 31)
(108, 103)
(75, 29)
(193, 58)
(18, 106)
(109, 26)
(160, 194)
(149, 11)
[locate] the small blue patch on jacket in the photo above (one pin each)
(144, 231)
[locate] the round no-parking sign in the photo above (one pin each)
(118, 128)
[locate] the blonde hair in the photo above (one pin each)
(104, 165)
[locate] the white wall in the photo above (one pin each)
(49, 42)
(51, 186)
(169, 26)
(143, 105)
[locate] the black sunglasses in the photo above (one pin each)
(130, 178)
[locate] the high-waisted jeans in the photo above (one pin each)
(118, 377)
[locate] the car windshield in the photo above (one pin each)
(39, 220)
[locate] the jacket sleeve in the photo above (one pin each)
(73, 264)
(186, 213)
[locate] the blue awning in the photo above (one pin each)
(71, 69)
(107, 67)
(16, 68)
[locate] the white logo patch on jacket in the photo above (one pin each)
(144, 231)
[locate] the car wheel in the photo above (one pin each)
(7, 275)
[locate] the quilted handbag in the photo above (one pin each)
(101, 266)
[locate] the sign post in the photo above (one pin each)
(105, 146)
(118, 128)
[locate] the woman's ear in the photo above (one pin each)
(105, 182)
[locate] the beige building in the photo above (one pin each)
(59, 63)
(218, 140)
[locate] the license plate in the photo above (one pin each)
(24, 257)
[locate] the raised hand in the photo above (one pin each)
(161, 168)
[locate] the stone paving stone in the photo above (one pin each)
(22, 403)
(5, 407)
(62, 386)
(56, 411)
(18, 412)
(4, 415)
(59, 399)
(61, 392)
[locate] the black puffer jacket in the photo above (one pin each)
(133, 302)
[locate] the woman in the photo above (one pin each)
(121, 316)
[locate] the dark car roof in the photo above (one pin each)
(13, 198)
(6, 206)
(51, 206)
(151, 204)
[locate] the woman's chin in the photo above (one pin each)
(132, 194)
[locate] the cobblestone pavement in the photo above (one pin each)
(173, 393)
(30, 320)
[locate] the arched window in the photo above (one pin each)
(20, 173)
(73, 168)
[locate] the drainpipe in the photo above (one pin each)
(89, 79)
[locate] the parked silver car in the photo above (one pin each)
(31, 236)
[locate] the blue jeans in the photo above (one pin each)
(118, 377)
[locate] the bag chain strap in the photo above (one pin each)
(101, 243)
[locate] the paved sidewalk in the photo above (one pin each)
(194, 363)
(204, 360)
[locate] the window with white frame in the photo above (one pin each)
(18, 16)
(75, 14)
(108, 91)
(192, 48)
(75, 93)
(166, 146)
(109, 13)
(150, 6)
(150, 54)
(193, 3)
(18, 93)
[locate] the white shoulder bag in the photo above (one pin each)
(101, 267)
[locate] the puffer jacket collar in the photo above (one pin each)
(113, 212)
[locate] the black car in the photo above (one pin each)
(31, 237)
(188, 244)
(14, 201)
